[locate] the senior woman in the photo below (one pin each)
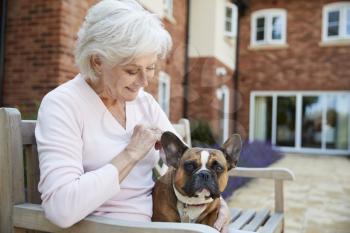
(96, 133)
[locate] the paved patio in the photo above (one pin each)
(318, 201)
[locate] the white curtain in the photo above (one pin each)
(260, 118)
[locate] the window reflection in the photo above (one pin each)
(337, 122)
(276, 28)
(286, 121)
(312, 122)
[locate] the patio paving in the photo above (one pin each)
(318, 201)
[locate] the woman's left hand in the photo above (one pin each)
(223, 220)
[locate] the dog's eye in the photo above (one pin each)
(189, 166)
(217, 167)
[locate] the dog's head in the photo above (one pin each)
(201, 172)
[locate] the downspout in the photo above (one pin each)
(235, 76)
(187, 60)
(2, 49)
(241, 5)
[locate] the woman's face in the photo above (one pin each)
(123, 82)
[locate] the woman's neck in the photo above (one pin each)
(105, 95)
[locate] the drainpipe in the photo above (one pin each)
(187, 60)
(241, 5)
(2, 49)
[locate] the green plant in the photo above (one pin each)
(201, 134)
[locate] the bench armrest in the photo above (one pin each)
(32, 216)
(265, 173)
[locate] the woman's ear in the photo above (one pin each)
(96, 64)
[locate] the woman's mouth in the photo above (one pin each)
(132, 89)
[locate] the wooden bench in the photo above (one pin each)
(20, 208)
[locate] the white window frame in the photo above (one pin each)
(224, 92)
(233, 20)
(268, 15)
(342, 7)
(164, 78)
(298, 124)
(168, 7)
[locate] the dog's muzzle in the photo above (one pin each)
(201, 181)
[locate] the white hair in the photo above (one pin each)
(118, 31)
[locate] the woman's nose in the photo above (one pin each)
(143, 80)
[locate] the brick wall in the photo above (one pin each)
(31, 51)
(40, 40)
(304, 65)
(203, 103)
(175, 63)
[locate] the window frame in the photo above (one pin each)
(168, 7)
(164, 78)
(342, 8)
(223, 94)
(268, 15)
(233, 20)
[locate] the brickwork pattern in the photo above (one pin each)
(303, 65)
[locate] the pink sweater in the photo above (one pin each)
(77, 137)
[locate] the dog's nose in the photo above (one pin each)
(204, 175)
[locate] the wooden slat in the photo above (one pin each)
(279, 205)
(235, 213)
(27, 131)
(258, 220)
(33, 174)
(274, 224)
(266, 173)
(32, 216)
(245, 217)
(11, 167)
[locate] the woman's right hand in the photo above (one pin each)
(142, 140)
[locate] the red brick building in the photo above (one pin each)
(40, 37)
(294, 76)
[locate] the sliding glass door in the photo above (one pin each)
(311, 132)
(310, 121)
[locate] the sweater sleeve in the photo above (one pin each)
(68, 194)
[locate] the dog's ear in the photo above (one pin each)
(173, 148)
(232, 148)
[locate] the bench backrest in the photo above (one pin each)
(19, 165)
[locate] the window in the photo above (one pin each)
(268, 27)
(164, 92)
(168, 7)
(336, 21)
(231, 20)
(223, 95)
(313, 122)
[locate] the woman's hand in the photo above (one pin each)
(142, 140)
(223, 220)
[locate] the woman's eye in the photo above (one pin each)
(132, 72)
(151, 68)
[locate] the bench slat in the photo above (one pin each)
(245, 217)
(274, 224)
(27, 131)
(258, 220)
(235, 213)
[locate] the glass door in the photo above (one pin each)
(311, 132)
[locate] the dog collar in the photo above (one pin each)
(191, 200)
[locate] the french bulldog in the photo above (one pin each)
(190, 190)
